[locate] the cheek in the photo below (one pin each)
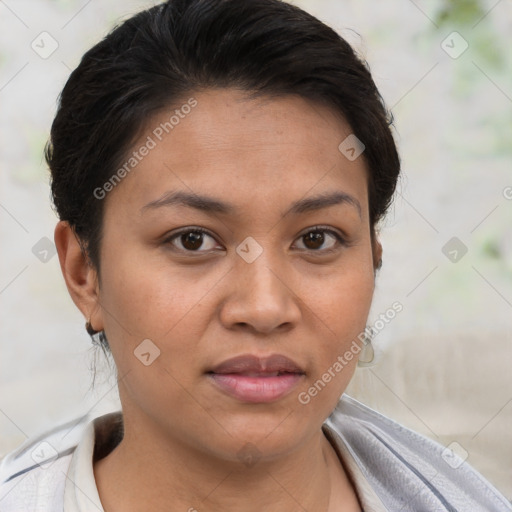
(339, 308)
(142, 302)
(148, 297)
(339, 299)
(349, 313)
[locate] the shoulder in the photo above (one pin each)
(406, 469)
(33, 476)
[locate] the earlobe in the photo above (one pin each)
(79, 275)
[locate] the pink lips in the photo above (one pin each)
(253, 379)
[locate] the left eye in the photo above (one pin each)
(320, 239)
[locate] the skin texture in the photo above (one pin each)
(183, 435)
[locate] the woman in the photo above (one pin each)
(220, 168)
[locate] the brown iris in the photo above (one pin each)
(192, 240)
(313, 239)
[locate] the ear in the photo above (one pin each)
(81, 278)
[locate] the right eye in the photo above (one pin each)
(192, 240)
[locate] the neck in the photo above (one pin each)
(144, 475)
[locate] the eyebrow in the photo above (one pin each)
(213, 205)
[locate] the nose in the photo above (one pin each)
(260, 298)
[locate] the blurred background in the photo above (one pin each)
(443, 364)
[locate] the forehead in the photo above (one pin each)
(261, 151)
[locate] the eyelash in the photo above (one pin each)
(339, 238)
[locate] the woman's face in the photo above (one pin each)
(284, 266)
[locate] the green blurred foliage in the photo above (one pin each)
(491, 249)
(472, 18)
(460, 12)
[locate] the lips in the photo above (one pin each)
(251, 365)
(249, 378)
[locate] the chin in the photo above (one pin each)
(269, 433)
